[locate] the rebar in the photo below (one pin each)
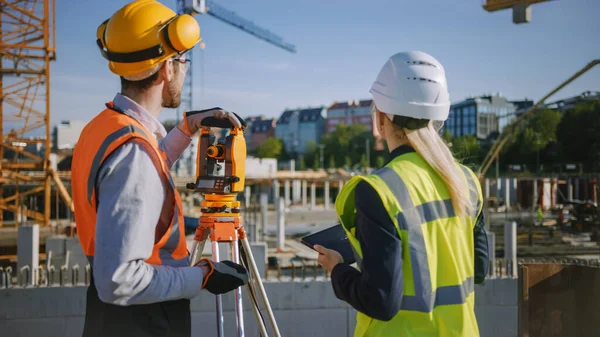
(23, 270)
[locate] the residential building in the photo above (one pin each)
(350, 112)
(248, 133)
(258, 130)
(66, 134)
(297, 127)
(522, 106)
(482, 116)
(567, 104)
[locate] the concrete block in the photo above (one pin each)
(351, 312)
(510, 248)
(28, 248)
(491, 236)
(315, 322)
(205, 324)
(497, 292)
(315, 295)
(301, 309)
(33, 303)
(207, 302)
(47, 327)
(74, 325)
(280, 295)
(259, 251)
(497, 321)
(56, 245)
(76, 258)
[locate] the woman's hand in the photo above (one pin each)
(328, 258)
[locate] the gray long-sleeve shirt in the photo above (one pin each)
(130, 196)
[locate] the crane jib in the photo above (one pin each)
(230, 17)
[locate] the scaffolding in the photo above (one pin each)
(27, 46)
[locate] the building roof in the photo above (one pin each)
(309, 115)
(571, 101)
(262, 125)
(494, 99)
(351, 104)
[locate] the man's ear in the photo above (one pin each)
(166, 71)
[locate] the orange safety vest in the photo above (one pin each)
(104, 134)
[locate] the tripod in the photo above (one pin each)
(221, 222)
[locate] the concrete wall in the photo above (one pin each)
(301, 309)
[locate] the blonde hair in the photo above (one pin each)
(433, 149)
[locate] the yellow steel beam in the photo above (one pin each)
(496, 5)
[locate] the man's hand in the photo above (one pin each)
(217, 117)
(222, 277)
(328, 258)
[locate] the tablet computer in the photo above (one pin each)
(332, 238)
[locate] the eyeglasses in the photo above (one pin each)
(186, 62)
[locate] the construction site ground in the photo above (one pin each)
(547, 240)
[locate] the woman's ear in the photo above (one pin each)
(380, 122)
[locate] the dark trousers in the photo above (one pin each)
(164, 319)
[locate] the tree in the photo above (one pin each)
(534, 139)
(579, 137)
(363, 161)
(380, 162)
(347, 141)
(270, 148)
(311, 153)
(332, 162)
(447, 136)
(301, 163)
(315, 165)
(466, 149)
(348, 162)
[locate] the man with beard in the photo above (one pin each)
(128, 212)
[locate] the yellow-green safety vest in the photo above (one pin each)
(437, 249)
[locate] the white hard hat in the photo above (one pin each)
(412, 84)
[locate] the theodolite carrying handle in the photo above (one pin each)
(213, 121)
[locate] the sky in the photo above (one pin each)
(341, 46)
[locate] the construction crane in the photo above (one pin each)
(509, 131)
(521, 8)
(213, 9)
(27, 46)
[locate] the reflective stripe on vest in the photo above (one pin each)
(410, 219)
(102, 152)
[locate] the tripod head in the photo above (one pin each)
(220, 166)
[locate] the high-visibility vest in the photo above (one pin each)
(99, 138)
(437, 249)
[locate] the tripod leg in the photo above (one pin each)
(256, 310)
(197, 249)
(261, 288)
(220, 333)
(235, 255)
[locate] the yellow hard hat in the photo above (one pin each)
(142, 35)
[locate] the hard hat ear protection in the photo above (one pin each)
(180, 33)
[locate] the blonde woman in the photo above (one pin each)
(416, 225)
